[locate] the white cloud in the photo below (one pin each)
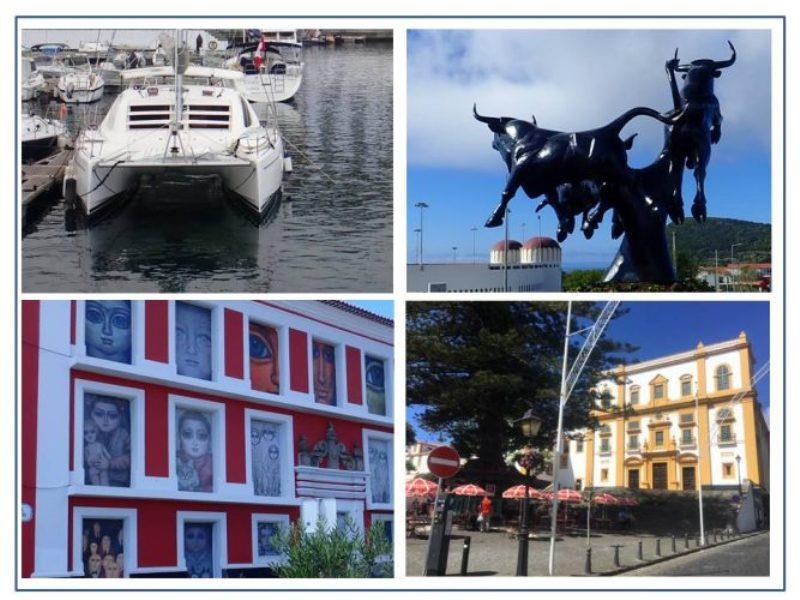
(572, 80)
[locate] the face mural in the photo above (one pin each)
(108, 330)
(193, 340)
(265, 444)
(267, 530)
(324, 373)
(194, 462)
(103, 552)
(198, 549)
(376, 385)
(264, 358)
(379, 471)
(106, 440)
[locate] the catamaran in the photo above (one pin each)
(273, 69)
(188, 119)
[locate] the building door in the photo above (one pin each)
(633, 479)
(659, 476)
(689, 482)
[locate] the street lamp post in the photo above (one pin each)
(421, 206)
(739, 473)
(416, 242)
(455, 248)
(529, 424)
(699, 470)
(730, 268)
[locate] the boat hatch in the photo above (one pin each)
(209, 116)
(149, 116)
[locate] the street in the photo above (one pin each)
(745, 558)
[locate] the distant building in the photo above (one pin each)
(660, 441)
(742, 276)
(534, 266)
(417, 457)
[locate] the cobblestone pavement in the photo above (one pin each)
(495, 553)
(743, 558)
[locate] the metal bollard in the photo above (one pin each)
(674, 550)
(640, 553)
(658, 546)
(587, 566)
(686, 541)
(616, 556)
(465, 555)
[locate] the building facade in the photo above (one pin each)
(534, 266)
(652, 434)
(170, 438)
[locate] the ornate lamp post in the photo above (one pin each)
(529, 425)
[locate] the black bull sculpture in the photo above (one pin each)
(586, 173)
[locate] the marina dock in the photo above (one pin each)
(42, 176)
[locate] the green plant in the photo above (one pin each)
(342, 551)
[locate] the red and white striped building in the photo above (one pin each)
(63, 496)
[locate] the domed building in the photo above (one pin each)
(534, 266)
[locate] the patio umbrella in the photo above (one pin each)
(518, 491)
(606, 498)
(628, 501)
(421, 487)
(470, 489)
(568, 495)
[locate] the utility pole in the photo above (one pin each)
(716, 270)
(730, 267)
(505, 255)
(421, 206)
(454, 253)
(523, 233)
(699, 468)
(416, 245)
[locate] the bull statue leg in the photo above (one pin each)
(699, 204)
(512, 185)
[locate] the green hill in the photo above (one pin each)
(699, 240)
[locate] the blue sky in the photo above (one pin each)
(686, 324)
(571, 80)
(385, 308)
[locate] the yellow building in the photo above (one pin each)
(653, 433)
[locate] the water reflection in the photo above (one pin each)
(331, 232)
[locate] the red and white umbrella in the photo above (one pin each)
(518, 491)
(628, 501)
(421, 487)
(568, 495)
(470, 489)
(606, 498)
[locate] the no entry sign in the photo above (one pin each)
(444, 462)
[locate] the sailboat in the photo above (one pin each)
(183, 119)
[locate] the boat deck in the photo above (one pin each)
(42, 176)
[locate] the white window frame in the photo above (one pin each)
(388, 380)
(217, 341)
(219, 543)
(355, 509)
(137, 333)
(383, 517)
(218, 446)
(366, 435)
(270, 518)
(135, 398)
(129, 528)
(286, 423)
(283, 355)
(340, 368)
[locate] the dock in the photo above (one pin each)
(42, 176)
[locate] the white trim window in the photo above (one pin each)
(196, 445)
(202, 543)
(269, 457)
(108, 330)
(350, 516)
(377, 384)
(195, 339)
(103, 541)
(378, 461)
(109, 428)
(265, 528)
(328, 376)
(267, 353)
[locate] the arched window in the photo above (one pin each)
(723, 377)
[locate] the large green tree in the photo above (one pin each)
(475, 367)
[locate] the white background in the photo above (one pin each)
(429, 7)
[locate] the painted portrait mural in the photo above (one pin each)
(198, 549)
(379, 471)
(264, 363)
(324, 356)
(267, 530)
(106, 440)
(374, 370)
(193, 340)
(108, 329)
(194, 462)
(103, 548)
(265, 444)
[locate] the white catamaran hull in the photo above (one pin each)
(80, 96)
(97, 184)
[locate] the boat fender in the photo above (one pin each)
(212, 45)
(71, 192)
(287, 164)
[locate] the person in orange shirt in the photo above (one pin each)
(485, 513)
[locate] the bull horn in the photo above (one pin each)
(481, 118)
(721, 64)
